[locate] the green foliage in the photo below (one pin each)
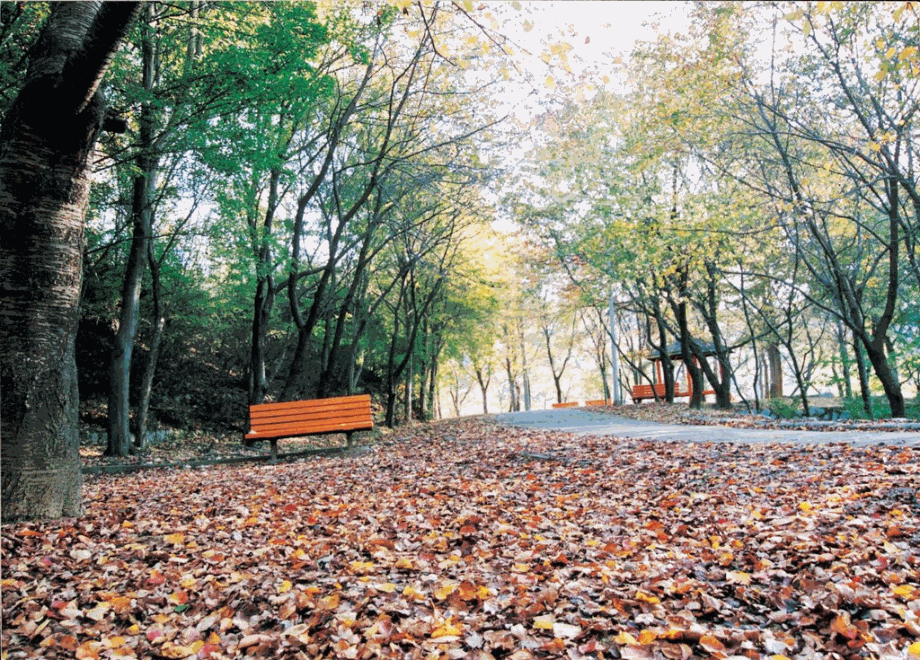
(855, 408)
(783, 408)
(20, 23)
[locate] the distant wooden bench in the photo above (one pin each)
(567, 404)
(640, 392)
(643, 391)
(598, 402)
(292, 419)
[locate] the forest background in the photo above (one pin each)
(311, 199)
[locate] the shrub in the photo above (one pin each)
(783, 408)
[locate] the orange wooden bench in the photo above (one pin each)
(292, 419)
(644, 391)
(598, 402)
(567, 404)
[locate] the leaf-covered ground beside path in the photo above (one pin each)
(462, 540)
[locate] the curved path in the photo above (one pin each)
(588, 422)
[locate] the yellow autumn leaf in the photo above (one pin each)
(285, 587)
(647, 598)
(445, 590)
(411, 592)
(361, 566)
(738, 577)
(446, 629)
(544, 622)
(913, 651)
(386, 587)
(903, 590)
(175, 539)
(625, 639)
(647, 636)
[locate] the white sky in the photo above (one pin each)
(598, 29)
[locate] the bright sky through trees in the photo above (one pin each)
(598, 31)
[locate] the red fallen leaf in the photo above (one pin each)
(206, 650)
(556, 646)
(27, 533)
(712, 644)
(842, 626)
(894, 532)
(156, 578)
(153, 635)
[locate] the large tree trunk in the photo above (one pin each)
(46, 144)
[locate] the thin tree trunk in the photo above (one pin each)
(484, 386)
(863, 378)
(159, 323)
(776, 370)
(847, 385)
(265, 291)
(119, 405)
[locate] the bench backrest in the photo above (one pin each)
(316, 416)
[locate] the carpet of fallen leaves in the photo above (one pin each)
(740, 417)
(464, 540)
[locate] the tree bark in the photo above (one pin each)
(45, 153)
(159, 323)
(264, 297)
(119, 405)
(484, 380)
(776, 370)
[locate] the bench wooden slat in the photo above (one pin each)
(357, 401)
(354, 418)
(279, 425)
(268, 417)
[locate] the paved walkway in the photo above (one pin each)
(586, 422)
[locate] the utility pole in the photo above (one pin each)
(614, 353)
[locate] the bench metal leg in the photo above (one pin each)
(274, 450)
(348, 439)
